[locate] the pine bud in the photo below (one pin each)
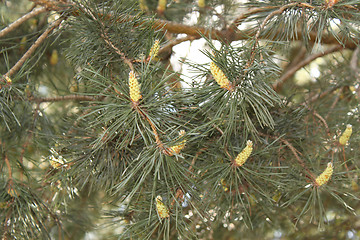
(325, 176)
(134, 86)
(224, 185)
(143, 6)
(330, 3)
(346, 135)
(154, 49)
(8, 79)
(219, 76)
(12, 192)
(201, 3)
(178, 148)
(23, 43)
(161, 6)
(244, 155)
(54, 58)
(162, 210)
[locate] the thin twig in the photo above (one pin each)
(9, 169)
(316, 114)
(159, 143)
(279, 83)
(227, 35)
(53, 5)
(323, 94)
(122, 55)
(295, 153)
(33, 47)
(233, 28)
(301, 162)
(336, 100)
(108, 40)
(21, 20)
(257, 35)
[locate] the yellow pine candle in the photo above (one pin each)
(179, 147)
(219, 76)
(134, 86)
(154, 49)
(244, 155)
(346, 135)
(162, 210)
(326, 175)
(201, 3)
(161, 6)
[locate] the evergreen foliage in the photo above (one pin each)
(101, 138)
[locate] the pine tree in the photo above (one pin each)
(100, 137)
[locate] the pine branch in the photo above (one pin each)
(63, 98)
(28, 140)
(290, 72)
(323, 94)
(33, 47)
(271, 15)
(21, 20)
(227, 35)
(9, 169)
(121, 54)
(171, 44)
(295, 153)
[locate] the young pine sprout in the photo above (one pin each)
(201, 3)
(244, 155)
(346, 135)
(178, 148)
(162, 210)
(134, 86)
(161, 6)
(325, 176)
(154, 49)
(219, 76)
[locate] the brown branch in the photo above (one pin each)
(63, 98)
(171, 44)
(21, 20)
(33, 47)
(9, 169)
(279, 83)
(108, 40)
(248, 13)
(159, 143)
(122, 55)
(194, 31)
(227, 35)
(323, 94)
(316, 114)
(53, 5)
(301, 162)
(295, 153)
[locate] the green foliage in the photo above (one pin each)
(81, 159)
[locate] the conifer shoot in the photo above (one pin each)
(179, 147)
(244, 155)
(162, 210)
(346, 135)
(219, 76)
(134, 86)
(154, 49)
(325, 176)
